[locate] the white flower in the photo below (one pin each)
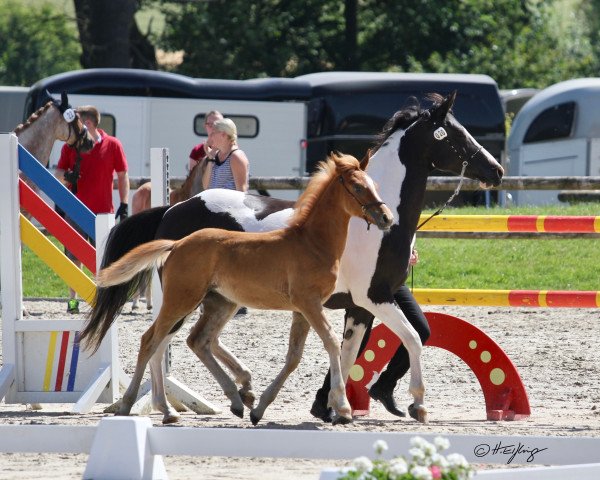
(439, 460)
(421, 473)
(441, 443)
(397, 467)
(380, 446)
(417, 455)
(456, 460)
(362, 464)
(418, 442)
(429, 449)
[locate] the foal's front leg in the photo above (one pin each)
(337, 393)
(356, 319)
(298, 333)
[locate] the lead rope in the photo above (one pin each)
(452, 197)
(437, 212)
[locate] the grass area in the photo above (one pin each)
(39, 280)
(555, 264)
(536, 264)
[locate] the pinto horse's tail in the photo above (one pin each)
(109, 301)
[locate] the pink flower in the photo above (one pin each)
(436, 472)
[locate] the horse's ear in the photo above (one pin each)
(364, 163)
(442, 110)
(46, 97)
(64, 100)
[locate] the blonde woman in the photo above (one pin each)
(229, 168)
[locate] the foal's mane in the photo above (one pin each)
(405, 118)
(32, 118)
(327, 172)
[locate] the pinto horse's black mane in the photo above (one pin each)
(405, 118)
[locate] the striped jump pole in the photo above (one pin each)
(512, 223)
(509, 298)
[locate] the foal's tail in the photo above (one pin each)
(109, 301)
(141, 258)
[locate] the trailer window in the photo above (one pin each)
(247, 125)
(108, 123)
(553, 123)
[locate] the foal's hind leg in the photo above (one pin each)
(159, 397)
(153, 340)
(241, 372)
(208, 327)
(298, 333)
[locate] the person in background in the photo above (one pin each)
(90, 177)
(200, 151)
(228, 167)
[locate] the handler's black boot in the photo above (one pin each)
(319, 407)
(387, 400)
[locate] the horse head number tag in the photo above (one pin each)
(440, 133)
(69, 115)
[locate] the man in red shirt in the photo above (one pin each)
(94, 182)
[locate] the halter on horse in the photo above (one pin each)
(294, 268)
(373, 266)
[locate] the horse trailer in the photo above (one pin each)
(285, 125)
(556, 133)
(12, 100)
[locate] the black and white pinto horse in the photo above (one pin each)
(414, 143)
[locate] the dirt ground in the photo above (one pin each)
(555, 351)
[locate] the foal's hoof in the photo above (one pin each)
(237, 411)
(254, 418)
(322, 412)
(342, 420)
(387, 400)
(248, 397)
(169, 419)
(418, 413)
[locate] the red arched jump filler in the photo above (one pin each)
(503, 390)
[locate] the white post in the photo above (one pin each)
(178, 393)
(10, 260)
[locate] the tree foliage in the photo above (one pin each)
(518, 42)
(36, 42)
(110, 36)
